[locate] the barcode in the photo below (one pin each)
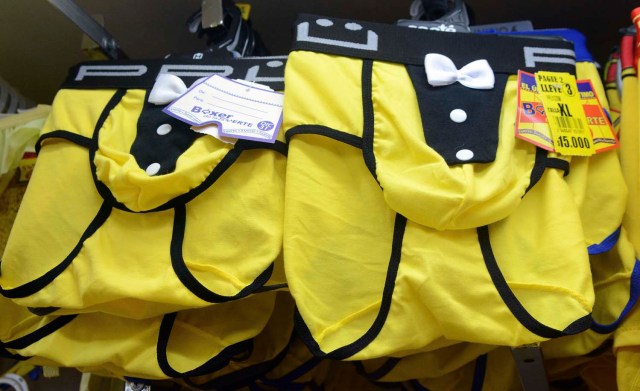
(569, 123)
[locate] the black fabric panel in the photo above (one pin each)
(149, 147)
(479, 133)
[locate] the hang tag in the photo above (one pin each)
(559, 95)
(604, 137)
(531, 121)
(241, 109)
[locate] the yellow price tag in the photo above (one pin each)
(565, 115)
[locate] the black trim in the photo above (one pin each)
(188, 279)
(387, 293)
(142, 73)
(182, 199)
(64, 134)
(320, 130)
(294, 374)
(538, 168)
(242, 377)
(39, 283)
(605, 347)
(11, 356)
(44, 331)
(415, 384)
(398, 44)
(512, 302)
(368, 118)
(274, 287)
(479, 372)
(380, 372)
(42, 311)
(216, 173)
(102, 189)
(215, 363)
(559, 164)
(277, 146)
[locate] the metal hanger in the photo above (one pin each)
(90, 27)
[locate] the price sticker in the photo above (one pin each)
(565, 115)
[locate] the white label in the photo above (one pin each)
(240, 109)
(212, 130)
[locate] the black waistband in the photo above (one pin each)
(142, 73)
(385, 42)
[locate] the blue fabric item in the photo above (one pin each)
(575, 36)
(35, 373)
(605, 245)
(634, 293)
(479, 373)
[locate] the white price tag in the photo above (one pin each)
(240, 109)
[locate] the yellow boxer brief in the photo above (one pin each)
(187, 343)
(386, 243)
(100, 230)
(627, 337)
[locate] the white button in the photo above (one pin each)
(464, 154)
(153, 169)
(324, 22)
(163, 129)
(458, 115)
(353, 26)
(275, 64)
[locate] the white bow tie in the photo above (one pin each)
(441, 71)
(167, 88)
